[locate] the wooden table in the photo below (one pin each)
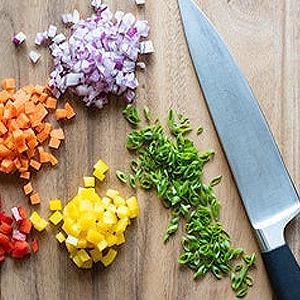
(263, 36)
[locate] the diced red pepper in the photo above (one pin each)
(2, 258)
(5, 228)
(22, 212)
(6, 219)
(5, 242)
(35, 246)
(2, 251)
(25, 226)
(21, 248)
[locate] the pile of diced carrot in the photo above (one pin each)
(26, 138)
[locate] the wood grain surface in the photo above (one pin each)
(263, 36)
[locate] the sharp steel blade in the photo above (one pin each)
(264, 184)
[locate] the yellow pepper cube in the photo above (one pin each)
(82, 243)
(133, 206)
(76, 259)
(72, 240)
(98, 209)
(111, 239)
(118, 201)
(56, 218)
(109, 257)
(71, 210)
(85, 205)
(102, 245)
(71, 249)
(112, 208)
(106, 202)
(89, 182)
(123, 212)
(75, 230)
(67, 226)
(38, 223)
(96, 255)
(87, 221)
(94, 237)
(99, 175)
(120, 227)
(102, 227)
(101, 166)
(83, 255)
(109, 218)
(55, 204)
(112, 193)
(60, 237)
(120, 239)
(88, 264)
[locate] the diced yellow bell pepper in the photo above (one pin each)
(99, 175)
(83, 255)
(87, 264)
(101, 166)
(94, 237)
(120, 227)
(102, 245)
(60, 237)
(67, 226)
(133, 207)
(56, 218)
(72, 240)
(98, 209)
(111, 239)
(71, 249)
(89, 182)
(109, 218)
(112, 208)
(76, 259)
(109, 257)
(38, 222)
(55, 204)
(123, 212)
(96, 255)
(85, 205)
(120, 239)
(118, 201)
(106, 202)
(82, 243)
(112, 193)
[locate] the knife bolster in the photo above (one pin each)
(271, 237)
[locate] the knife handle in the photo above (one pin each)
(284, 273)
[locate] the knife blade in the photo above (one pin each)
(268, 193)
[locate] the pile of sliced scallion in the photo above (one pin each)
(174, 168)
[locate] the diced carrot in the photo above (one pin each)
(8, 84)
(3, 129)
(29, 108)
(42, 136)
(40, 127)
(61, 114)
(44, 157)
(28, 188)
(51, 103)
(22, 212)
(4, 96)
(25, 175)
(54, 143)
(35, 199)
(35, 164)
(17, 163)
(53, 159)
(8, 165)
(29, 89)
(22, 121)
(43, 97)
(70, 111)
(39, 89)
(4, 151)
(57, 133)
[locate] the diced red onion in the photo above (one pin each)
(52, 31)
(41, 38)
(19, 38)
(34, 56)
(16, 214)
(100, 55)
(18, 236)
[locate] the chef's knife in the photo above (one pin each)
(265, 186)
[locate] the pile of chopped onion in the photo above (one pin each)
(100, 56)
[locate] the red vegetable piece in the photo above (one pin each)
(22, 212)
(2, 258)
(25, 226)
(6, 219)
(5, 228)
(5, 242)
(21, 248)
(35, 245)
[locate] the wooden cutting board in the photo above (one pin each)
(263, 36)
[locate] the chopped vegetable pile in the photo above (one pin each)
(99, 57)
(24, 131)
(174, 168)
(91, 225)
(14, 234)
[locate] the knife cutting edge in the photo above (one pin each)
(267, 191)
